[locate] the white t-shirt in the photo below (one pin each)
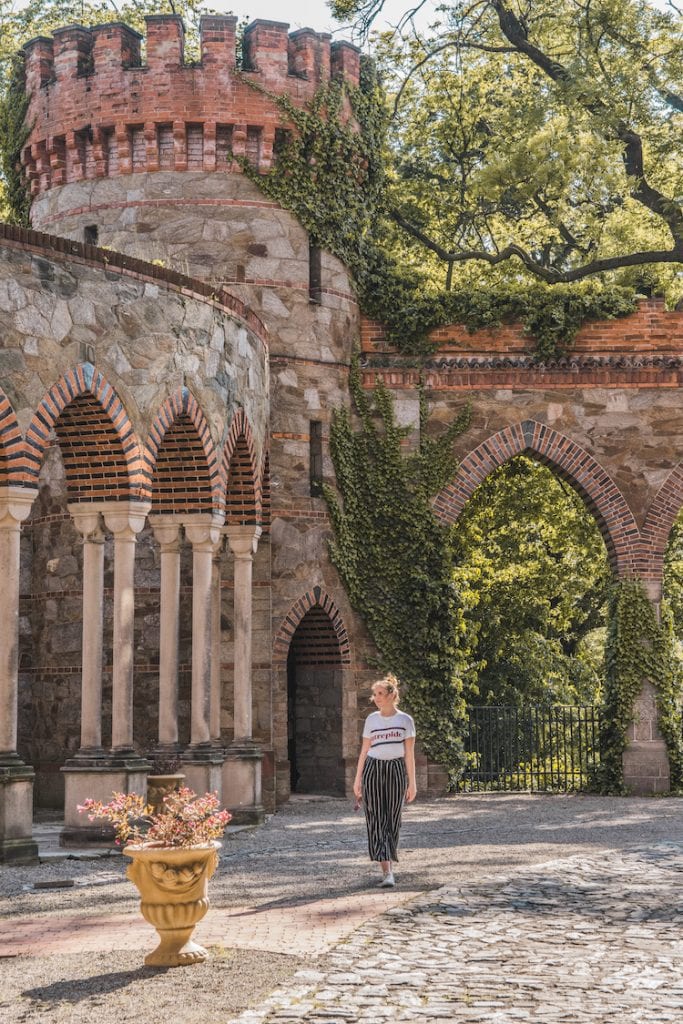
(387, 734)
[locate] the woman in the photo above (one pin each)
(385, 775)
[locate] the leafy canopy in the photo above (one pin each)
(542, 137)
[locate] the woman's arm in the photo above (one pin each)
(411, 791)
(359, 769)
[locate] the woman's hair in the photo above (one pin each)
(391, 683)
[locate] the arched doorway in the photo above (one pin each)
(314, 706)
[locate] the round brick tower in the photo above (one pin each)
(134, 150)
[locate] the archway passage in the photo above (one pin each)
(314, 706)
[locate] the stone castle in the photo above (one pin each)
(173, 348)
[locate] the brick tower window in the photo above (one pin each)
(316, 457)
(314, 273)
(90, 234)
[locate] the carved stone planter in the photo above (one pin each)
(173, 884)
(159, 786)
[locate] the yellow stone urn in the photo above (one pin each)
(174, 886)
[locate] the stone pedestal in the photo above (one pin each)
(16, 813)
(242, 783)
(645, 760)
(98, 778)
(203, 771)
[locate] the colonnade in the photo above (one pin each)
(95, 770)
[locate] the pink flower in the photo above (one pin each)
(186, 819)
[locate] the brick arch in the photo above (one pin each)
(241, 481)
(571, 462)
(100, 451)
(180, 458)
(320, 603)
(11, 445)
(658, 524)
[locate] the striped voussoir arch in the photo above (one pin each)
(572, 463)
(316, 600)
(181, 464)
(265, 492)
(100, 451)
(12, 473)
(242, 483)
(658, 524)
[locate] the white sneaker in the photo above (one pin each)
(388, 882)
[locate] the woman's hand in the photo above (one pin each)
(411, 793)
(357, 789)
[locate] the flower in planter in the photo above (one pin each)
(185, 819)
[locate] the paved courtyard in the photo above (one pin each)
(509, 908)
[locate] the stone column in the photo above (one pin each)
(167, 533)
(242, 769)
(216, 688)
(646, 758)
(125, 520)
(91, 773)
(86, 518)
(202, 761)
(16, 777)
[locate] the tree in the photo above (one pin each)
(543, 136)
(532, 571)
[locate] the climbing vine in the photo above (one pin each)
(638, 648)
(396, 561)
(330, 173)
(14, 132)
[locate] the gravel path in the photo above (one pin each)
(313, 849)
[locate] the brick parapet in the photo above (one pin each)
(650, 329)
(97, 111)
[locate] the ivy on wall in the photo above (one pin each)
(395, 558)
(15, 132)
(330, 173)
(638, 648)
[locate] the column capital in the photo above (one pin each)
(243, 540)
(125, 517)
(203, 530)
(15, 505)
(86, 519)
(166, 530)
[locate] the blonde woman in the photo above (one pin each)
(385, 775)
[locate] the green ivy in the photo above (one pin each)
(638, 648)
(396, 561)
(15, 132)
(330, 173)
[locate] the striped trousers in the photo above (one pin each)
(384, 790)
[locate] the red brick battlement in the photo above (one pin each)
(98, 111)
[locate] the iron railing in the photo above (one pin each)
(531, 748)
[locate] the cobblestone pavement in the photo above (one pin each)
(594, 939)
(552, 910)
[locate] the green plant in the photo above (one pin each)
(395, 559)
(14, 132)
(186, 819)
(638, 648)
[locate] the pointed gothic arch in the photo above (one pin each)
(101, 453)
(181, 463)
(11, 445)
(659, 522)
(571, 462)
(241, 481)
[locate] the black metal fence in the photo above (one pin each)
(531, 748)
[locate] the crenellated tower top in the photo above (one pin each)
(98, 111)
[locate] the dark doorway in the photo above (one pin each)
(314, 707)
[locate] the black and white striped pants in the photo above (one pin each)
(384, 790)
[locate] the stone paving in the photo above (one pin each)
(551, 910)
(583, 939)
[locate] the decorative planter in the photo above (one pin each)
(173, 884)
(159, 786)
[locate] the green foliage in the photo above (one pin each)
(331, 174)
(533, 574)
(537, 140)
(638, 648)
(396, 561)
(14, 132)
